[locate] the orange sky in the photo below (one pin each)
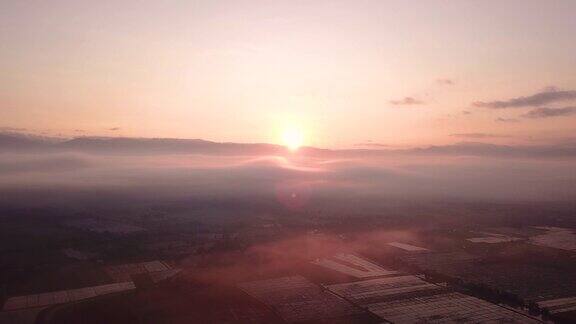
(343, 72)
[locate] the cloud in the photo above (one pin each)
(478, 135)
(548, 96)
(447, 82)
(550, 112)
(374, 144)
(12, 129)
(507, 120)
(114, 129)
(407, 101)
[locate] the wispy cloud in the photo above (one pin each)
(12, 129)
(478, 135)
(506, 120)
(550, 112)
(447, 82)
(374, 144)
(407, 101)
(542, 98)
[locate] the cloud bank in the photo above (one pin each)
(291, 182)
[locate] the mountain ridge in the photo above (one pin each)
(143, 145)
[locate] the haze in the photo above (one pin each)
(287, 161)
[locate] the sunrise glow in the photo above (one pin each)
(292, 138)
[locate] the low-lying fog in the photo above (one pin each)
(293, 177)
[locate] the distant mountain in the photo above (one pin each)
(119, 145)
(18, 142)
(486, 149)
(144, 146)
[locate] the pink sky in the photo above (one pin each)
(343, 72)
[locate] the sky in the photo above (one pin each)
(342, 73)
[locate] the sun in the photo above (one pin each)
(292, 138)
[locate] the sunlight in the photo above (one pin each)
(292, 138)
